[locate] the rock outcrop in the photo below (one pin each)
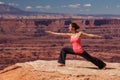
(48, 70)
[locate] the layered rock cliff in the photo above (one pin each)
(25, 40)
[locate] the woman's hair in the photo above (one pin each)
(74, 25)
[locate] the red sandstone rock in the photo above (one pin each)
(48, 70)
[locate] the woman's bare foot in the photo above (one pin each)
(61, 65)
(104, 68)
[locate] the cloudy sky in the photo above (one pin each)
(67, 6)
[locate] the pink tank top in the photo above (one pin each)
(76, 43)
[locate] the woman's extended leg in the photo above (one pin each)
(94, 60)
(63, 52)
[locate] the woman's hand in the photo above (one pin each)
(100, 37)
(48, 31)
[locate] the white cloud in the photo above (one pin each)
(13, 4)
(44, 7)
(107, 7)
(28, 7)
(118, 6)
(71, 6)
(87, 5)
(2, 2)
(81, 10)
(74, 5)
(87, 10)
(63, 6)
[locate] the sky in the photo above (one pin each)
(67, 6)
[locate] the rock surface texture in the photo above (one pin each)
(74, 70)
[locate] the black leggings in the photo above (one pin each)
(88, 57)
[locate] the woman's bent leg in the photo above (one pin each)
(63, 53)
(94, 60)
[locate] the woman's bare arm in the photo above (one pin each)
(90, 35)
(60, 34)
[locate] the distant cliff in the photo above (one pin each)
(25, 39)
(32, 26)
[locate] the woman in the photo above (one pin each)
(77, 49)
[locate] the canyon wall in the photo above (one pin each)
(25, 39)
(31, 25)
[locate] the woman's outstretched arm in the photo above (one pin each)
(91, 35)
(60, 34)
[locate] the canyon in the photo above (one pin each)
(23, 40)
(27, 52)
